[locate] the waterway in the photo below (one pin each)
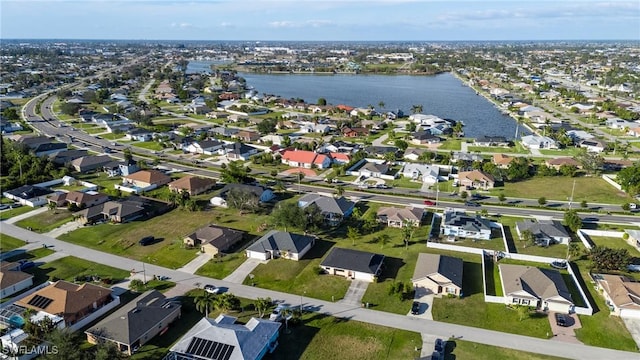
(203, 66)
(442, 95)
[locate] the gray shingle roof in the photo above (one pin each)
(133, 320)
(281, 240)
(543, 228)
(327, 204)
(541, 283)
(355, 260)
(447, 266)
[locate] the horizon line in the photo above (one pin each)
(257, 40)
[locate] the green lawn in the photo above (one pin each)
(601, 329)
(591, 189)
(404, 182)
(460, 349)
(46, 221)
(451, 144)
(555, 250)
(172, 227)
(9, 243)
(150, 145)
(219, 268)
(95, 130)
(113, 136)
(570, 151)
(70, 267)
(615, 243)
(31, 254)
(518, 149)
(9, 213)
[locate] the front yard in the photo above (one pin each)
(9, 243)
(46, 221)
(70, 267)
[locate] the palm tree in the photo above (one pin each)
(262, 304)
(416, 109)
(226, 302)
(381, 104)
(407, 233)
(383, 239)
(340, 190)
(203, 301)
(527, 237)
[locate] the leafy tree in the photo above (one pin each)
(416, 109)
(591, 162)
(137, 285)
(67, 344)
(353, 233)
(69, 108)
(226, 302)
(10, 114)
(501, 197)
(626, 206)
(383, 239)
(464, 195)
(267, 126)
(243, 200)
(401, 144)
(407, 233)
(322, 101)
(235, 172)
(527, 237)
(340, 190)
(519, 169)
(629, 179)
(542, 200)
(262, 305)
(568, 170)
(606, 259)
(573, 221)
(573, 250)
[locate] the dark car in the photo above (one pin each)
(472, 204)
(26, 265)
(415, 308)
(561, 320)
(147, 240)
(439, 347)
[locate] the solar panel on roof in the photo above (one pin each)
(210, 349)
(40, 301)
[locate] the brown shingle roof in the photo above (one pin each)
(66, 297)
(149, 176)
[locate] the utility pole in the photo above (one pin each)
(572, 190)
(144, 274)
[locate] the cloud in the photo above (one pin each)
(183, 25)
(301, 24)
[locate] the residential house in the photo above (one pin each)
(354, 131)
(339, 158)
(621, 294)
(619, 124)
(80, 199)
(458, 224)
(262, 193)
(557, 163)
(579, 135)
(491, 141)
(223, 131)
(286, 245)
(438, 274)
(466, 157)
(247, 135)
(73, 302)
(333, 209)
(542, 289)
(139, 134)
(66, 156)
(593, 145)
(380, 151)
(207, 147)
(399, 217)
(146, 178)
(116, 168)
(428, 174)
(545, 232)
(425, 137)
(41, 145)
(213, 239)
(90, 163)
(353, 264)
(305, 159)
(538, 142)
(137, 322)
(221, 338)
(12, 280)
(28, 195)
(501, 160)
(413, 154)
(192, 185)
(476, 179)
(238, 151)
(7, 126)
(113, 211)
(370, 168)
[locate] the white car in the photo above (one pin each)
(276, 314)
(211, 289)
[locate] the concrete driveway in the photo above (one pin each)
(425, 298)
(355, 293)
(196, 263)
(567, 333)
(243, 271)
(633, 325)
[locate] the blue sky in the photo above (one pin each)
(356, 20)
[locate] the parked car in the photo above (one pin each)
(429, 203)
(4, 206)
(440, 345)
(212, 289)
(147, 240)
(382, 186)
(561, 320)
(163, 277)
(15, 205)
(26, 265)
(276, 314)
(415, 308)
(472, 204)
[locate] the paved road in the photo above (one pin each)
(440, 329)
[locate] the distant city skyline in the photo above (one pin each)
(313, 20)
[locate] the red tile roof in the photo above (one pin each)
(300, 156)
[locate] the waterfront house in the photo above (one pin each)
(538, 142)
(428, 174)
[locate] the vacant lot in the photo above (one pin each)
(9, 213)
(46, 221)
(591, 189)
(614, 243)
(70, 267)
(459, 349)
(9, 243)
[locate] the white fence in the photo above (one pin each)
(609, 179)
(489, 298)
(464, 249)
(96, 314)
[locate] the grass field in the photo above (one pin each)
(459, 349)
(451, 144)
(615, 243)
(591, 189)
(122, 239)
(46, 221)
(69, 267)
(113, 136)
(149, 145)
(219, 268)
(31, 254)
(9, 243)
(518, 149)
(9, 213)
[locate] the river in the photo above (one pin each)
(442, 95)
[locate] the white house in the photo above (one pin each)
(275, 244)
(458, 224)
(428, 174)
(12, 280)
(353, 264)
(538, 142)
(620, 293)
(542, 289)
